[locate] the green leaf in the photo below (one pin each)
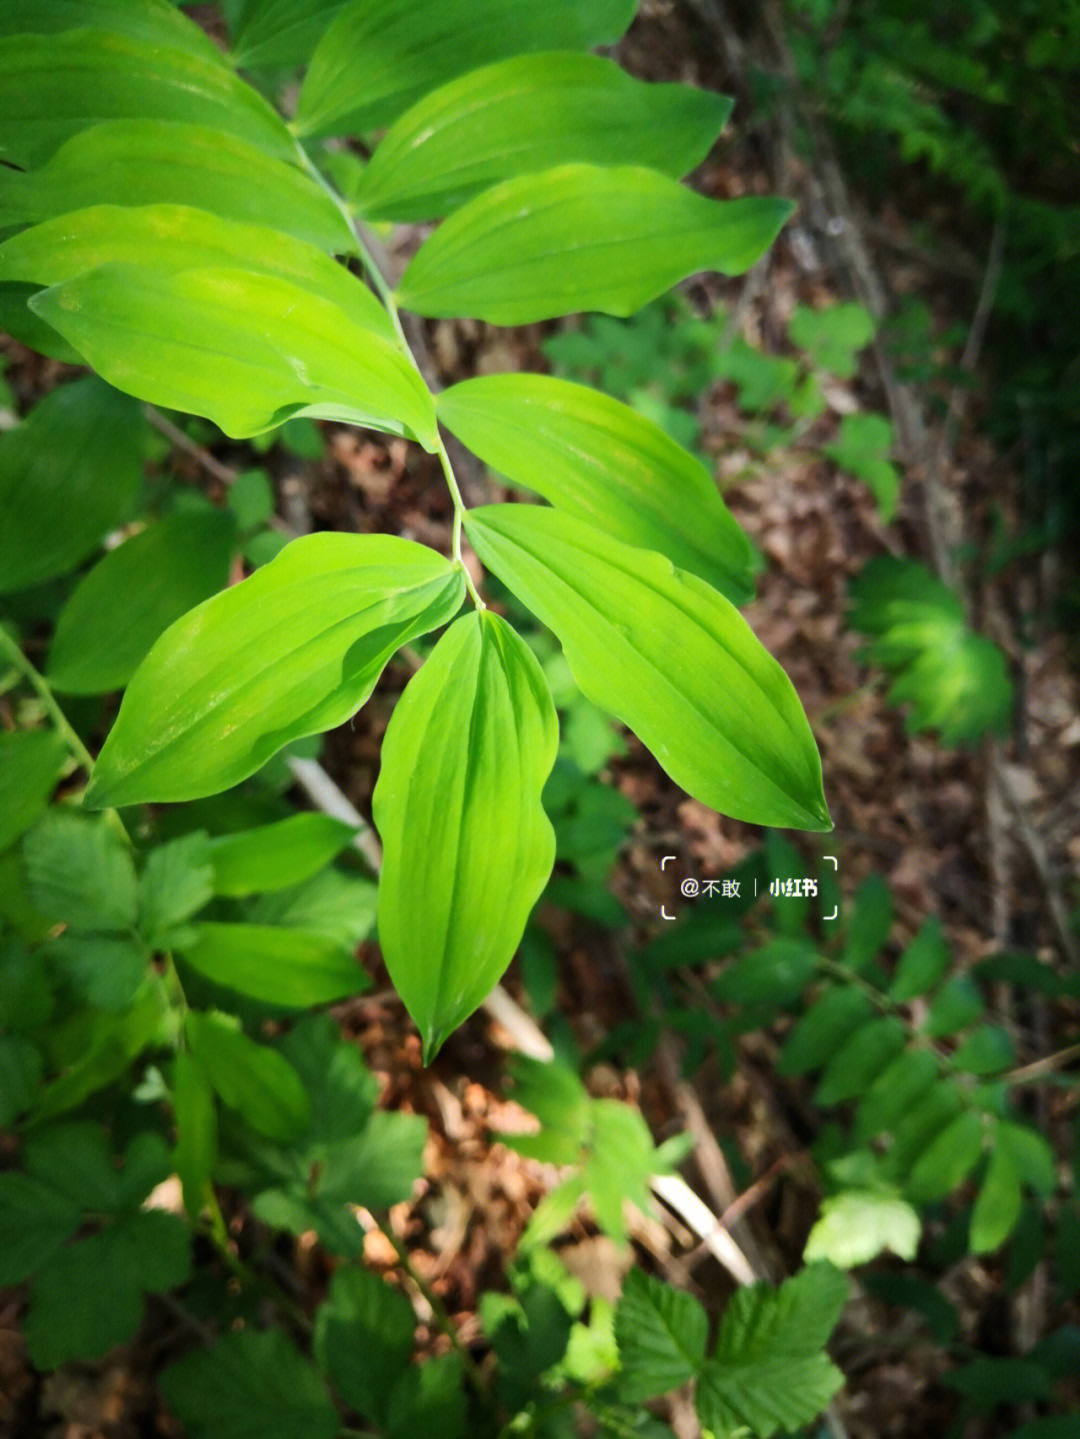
(26, 997)
(155, 21)
(956, 1005)
(53, 86)
(245, 350)
(986, 1050)
(196, 1129)
(768, 1370)
(832, 337)
(20, 1075)
(1032, 1155)
(104, 970)
(101, 637)
(948, 1159)
(668, 656)
(23, 325)
(526, 114)
(90, 1296)
(260, 665)
(603, 462)
(96, 1048)
(149, 162)
(429, 1398)
(31, 761)
(868, 928)
(275, 856)
(176, 882)
(167, 240)
(895, 1092)
(776, 974)
(80, 872)
(582, 237)
(287, 967)
(457, 805)
(997, 1207)
(279, 34)
(68, 474)
(862, 448)
(823, 1029)
(374, 61)
(857, 1225)
(860, 1059)
(260, 1084)
(246, 1386)
(364, 1340)
(661, 1333)
(922, 964)
(341, 907)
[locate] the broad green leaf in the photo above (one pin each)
(31, 762)
(833, 336)
(167, 239)
(896, 1091)
(857, 1225)
(276, 855)
(246, 1386)
(661, 1333)
(603, 462)
(862, 449)
(375, 60)
(668, 656)
(247, 351)
(986, 1050)
(53, 86)
(280, 34)
(956, 1005)
(364, 1340)
(69, 473)
(860, 1059)
(292, 651)
(430, 1398)
(769, 1371)
(101, 636)
(339, 906)
(80, 872)
(997, 1207)
(26, 993)
(526, 114)
(948, 1159)
(139, 162)
(176, 882)
(922, 964)
(196, 1129)
(582, 237)
(105, 970)
(822, 1029)
(1032, 1154)
(774, 974)
(90, 1296)
(260, 1084)
(867, 929)
(20, 1075)
(155, 22)
(288, 967)
(457, 805)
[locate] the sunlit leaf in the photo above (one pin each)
(256, 1081)
(289, 967)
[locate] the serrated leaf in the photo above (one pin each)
(862, 448)
(248, 1385)
(259, 665)
(104, 970)
(80, 872)
(53, 86)
(430, 1398)
(287, 967)
(600, 460)
(582, 237)
(364, 1340)
(275, 856)
(90, 1296)
(921, 965)
(457, 805)
(137, 162)
(997, 1207)
(860, 1059)
(260, 1084)
(526, 114)
(668, 656)
(176, 882)
(833, 336)
(948, 1159)
(68, 474)
(247, 351)
(101, 637)
(768, 1371)
(857, 1225)
(661, 1333)
(31, 762)
(26, 997)
(372, 63)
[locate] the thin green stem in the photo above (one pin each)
(459, 516)
(40, 686)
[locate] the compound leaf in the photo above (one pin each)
(582, 237)
(259, 1083)
(80, 872)
(293, 650)
(457, 804)
(600, 460)
(661, 1333)
(526, 114)
(364, 1340)
(668, 656)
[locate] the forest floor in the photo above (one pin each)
(939, 825)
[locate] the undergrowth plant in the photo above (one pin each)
(163, 224)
